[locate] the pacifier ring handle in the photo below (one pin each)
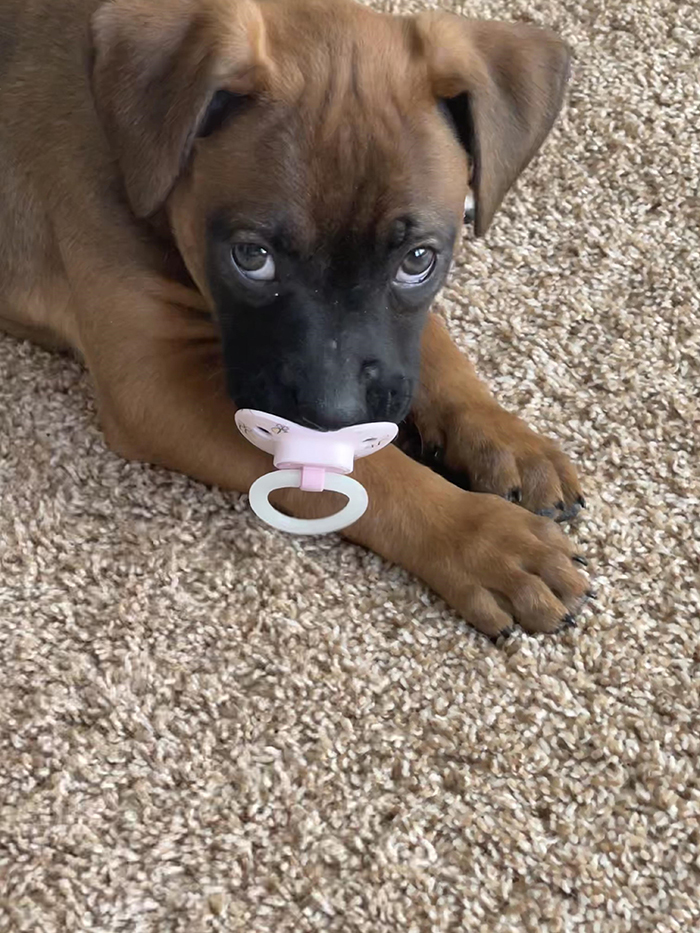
(355, 507)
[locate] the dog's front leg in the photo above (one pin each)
(472, 440)
(160, 385)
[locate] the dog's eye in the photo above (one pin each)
(254, 262)
(417, 266)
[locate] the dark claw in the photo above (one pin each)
(504, 633)
(560, 505)
(580, 560)
(567, 622)
(591, 595)
(515, 495)
(568, 515)
(581, 501)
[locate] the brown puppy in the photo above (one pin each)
(221, 202)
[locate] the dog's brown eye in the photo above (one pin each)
(416, 266)
(254, 261)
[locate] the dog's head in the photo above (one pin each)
(314, 158)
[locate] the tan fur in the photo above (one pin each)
(101, 241)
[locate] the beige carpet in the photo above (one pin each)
(206, 726)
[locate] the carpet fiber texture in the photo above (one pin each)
(208, 726)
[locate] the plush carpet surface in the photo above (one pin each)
(207, 726)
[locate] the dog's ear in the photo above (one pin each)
(162, 71)
(503, 85)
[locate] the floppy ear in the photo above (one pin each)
(162, 70)
(503, 85)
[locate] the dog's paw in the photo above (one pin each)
(487, 449)
(497, 564)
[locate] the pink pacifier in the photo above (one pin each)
(312, 461)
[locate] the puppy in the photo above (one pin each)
(221, 203)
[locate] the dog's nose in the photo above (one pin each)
(329, 399)
(378, 401)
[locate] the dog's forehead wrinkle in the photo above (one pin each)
(343, 38)
(398, 232)
(342, 55)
